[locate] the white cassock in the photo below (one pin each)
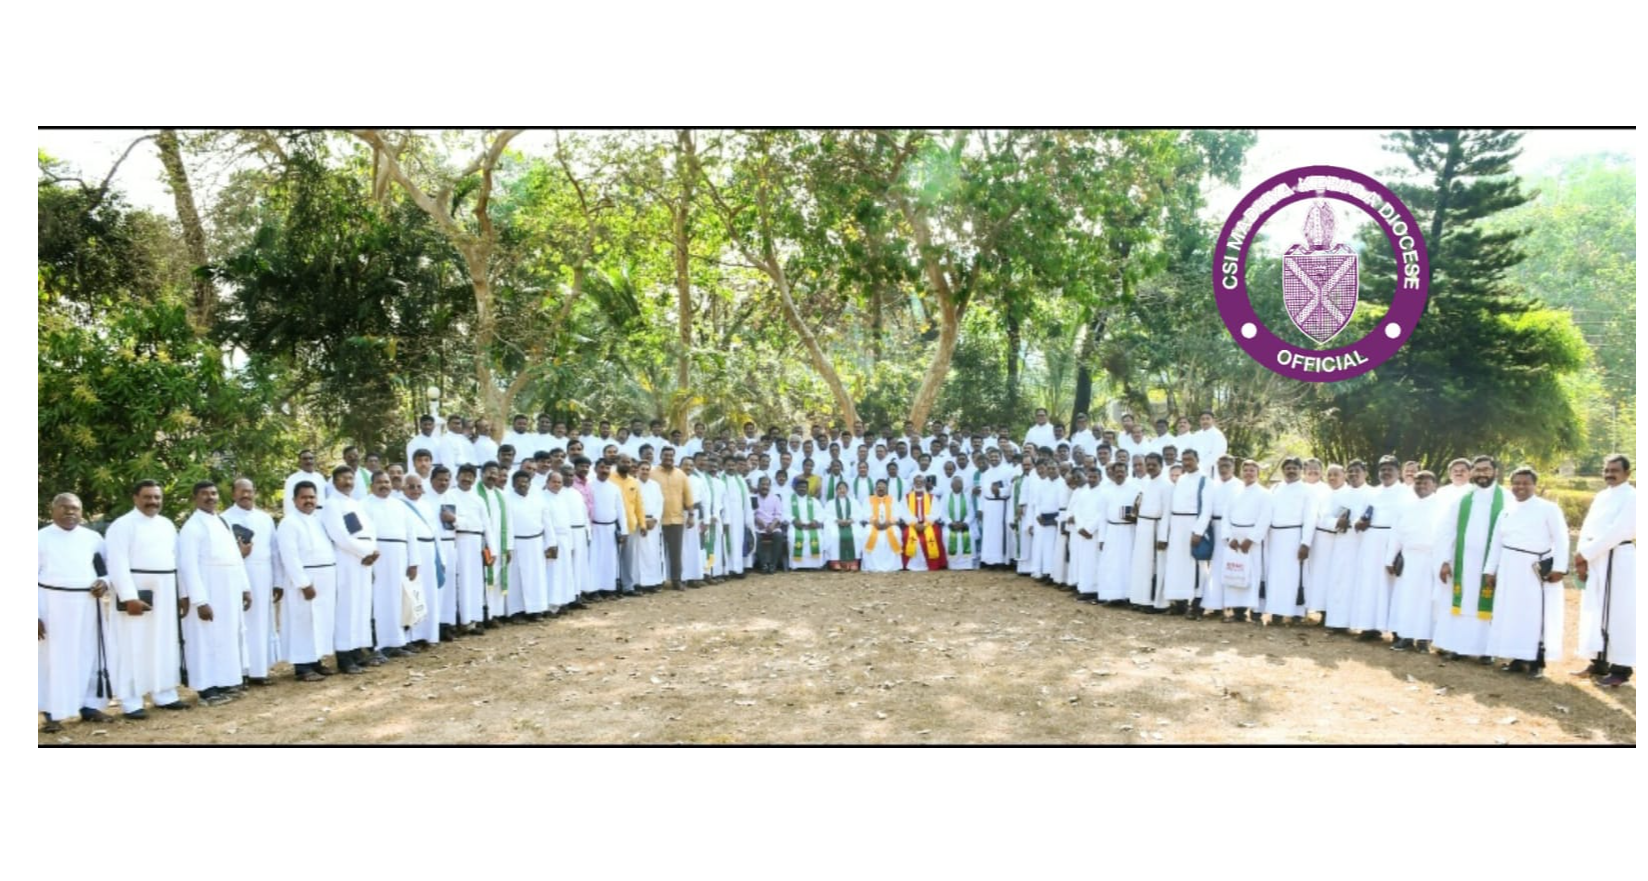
(1414, 599)
(1041, 436)
(1060, 568)
(433, 576)
(262, 644)
(1209, 444)
(863, 488)
(570, 569)
(739, 517)
(1086, 513)
(1324, 539)
(883, 546)
(649, 548)
(1249, 520)
(531, 531)
(397, 537)
(1189, 514)
(352, 628)
(307, 559)
(1219, 496)
(956, 512)
(609, 522)
(1116, 540)
(839, 547)
(210, 572)
(499, 538)
(1041, 512)
(1347, 546)
(74, 653)
(1370, 598)
(142, 555)
(467, 578)
(1292, 526)
(692, 537)
(1464, 627)
(322, 486)
(430, 443)
(806, 544)
(996, 515)
(1024, 515)
(1150, 506)
(1608, 606)
(1527, 610)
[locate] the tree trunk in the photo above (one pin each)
(821, 361)
(1014, 341)
(1084, 373)
(194, 234)
(683, 279)
(939, 370)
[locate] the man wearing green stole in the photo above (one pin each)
(497, 573)
(1467, 534)
(958, 510)
(844, 530)
(806, 525)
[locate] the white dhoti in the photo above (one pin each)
(648, 553)
(1527, 611)
(307, 625)
(213, 648)
(352, 628)
(882, 550)
(692, 552)
(1414, 598)
(1043, 543)
(387, 574)
(69, 655)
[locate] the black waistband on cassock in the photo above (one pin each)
(1118, 523)
(1242, 525)
(1148, 517)
(319, 565)
(65, 589)
(605, 522)
(421, 538)
(1289, 526)
(154, 571)
(1218, 517)
(580, 526)
(468, 532)
(1186, 514)
(1526, 551)
(1371, 526)
(529, 537)
(399, 541)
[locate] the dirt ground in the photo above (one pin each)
(967, 657)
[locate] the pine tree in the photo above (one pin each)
(1488, 369)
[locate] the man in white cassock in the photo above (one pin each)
(142, 560)
(648, 538)
(1060, 568)
(1247, 524)
(996, 511)
(1370, 596)
(355, 539)
(805, 517)
(1413, 542)
(883, 544)
(569, 575)
(1209, 441)
(1188, 516)
(1086, 513)
(1466, 535)
(1315, 573)
(1041, 509)
(740, 517)
(306, 471)
(308, 572)
(1149, 534)
(1348, 502)
(693, 570)
(956, 515)
(428, 553)
(1220, 494)
(1288, 543)
(463, 509)
(1116, 535)
(1041, 434)
(1606, 562)
(397, 538)
(73, 655)
(262, 647)
(710, 496)
(212, 575)
(1524, 570)
(532, 535)
(846, 526)
(610, 527)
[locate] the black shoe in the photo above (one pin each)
(1401, 645)
(259, 681)
(136, 715)
(175, 706)
(52, 726)
(92, 714)
(1515, 666)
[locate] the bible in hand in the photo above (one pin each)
(449, 509)
(1543, 567)
(100, 567)
(351, 522)
(242, 534)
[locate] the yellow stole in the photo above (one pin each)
(920, 506)
(881, 507)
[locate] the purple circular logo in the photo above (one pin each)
(1320, 276)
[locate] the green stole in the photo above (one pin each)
(795, 518)
(967, 536)
(1484, 598)
(710, 533)
(829, 485)
(502, 516)
(866, 480)
(846, 546)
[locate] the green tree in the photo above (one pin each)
(1489, 369)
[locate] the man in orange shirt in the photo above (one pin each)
(678, 502)
(630, 488)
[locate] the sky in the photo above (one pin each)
(140, 177)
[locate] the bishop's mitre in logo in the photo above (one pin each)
(1319, 280)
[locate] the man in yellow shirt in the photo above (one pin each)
(678, 502)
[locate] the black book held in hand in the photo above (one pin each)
(449, 509)
(351, 522)
(100, 567)
(1544, 566)
(1368, 514)
(146, 597)
(1396, 564)
(242, 534)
